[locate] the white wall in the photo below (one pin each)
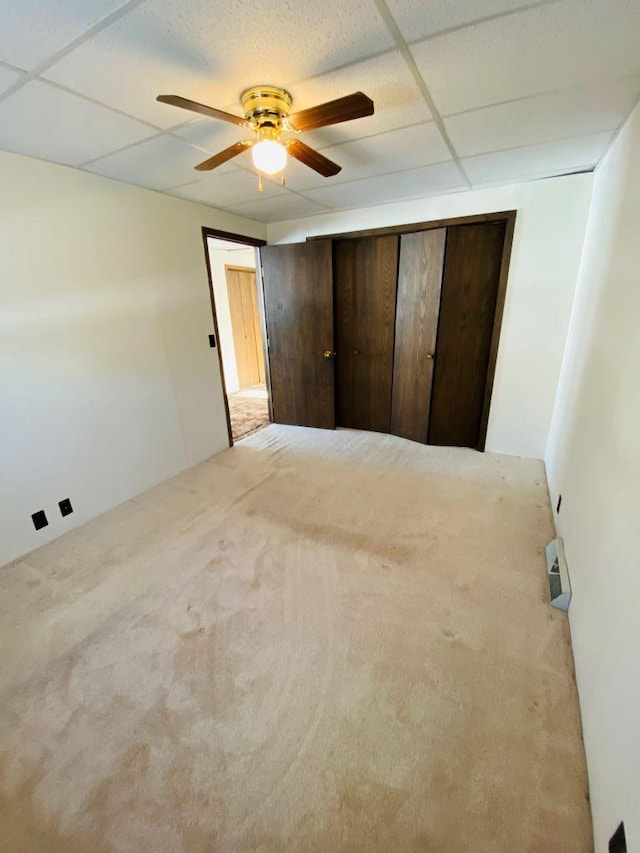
(547, 245)
(242, 257)
(593, 460)
(107, 381)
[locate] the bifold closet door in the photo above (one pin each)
(297, 280)
(366, 273)
(418, 305)
(467, 314)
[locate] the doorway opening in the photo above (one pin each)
(239, 323)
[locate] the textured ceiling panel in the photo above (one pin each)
(42, 121)
(544, 118)
(399, 149)
(550, 47)
(211, 50)
(275, 209)
(537, 161)
(7, 78)
(416, 183)
(220, 189)
(33, 30)
(157, 163)
(418, 19)
(385, 79)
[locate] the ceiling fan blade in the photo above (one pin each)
(222, 156)
(203, 109)
(353, 106)
(316, 161)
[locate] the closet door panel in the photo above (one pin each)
(365, 302)
(467, 312)
(418, 305)
(298, 299)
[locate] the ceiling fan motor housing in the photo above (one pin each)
(266, 108)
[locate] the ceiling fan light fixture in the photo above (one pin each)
(267, 114)
(269, 156)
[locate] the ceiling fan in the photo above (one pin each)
(267, 115)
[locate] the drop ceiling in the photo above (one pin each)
(468, 93)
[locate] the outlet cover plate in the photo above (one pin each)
(39, 519)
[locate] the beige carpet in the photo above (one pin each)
(248, 410)
(314, 641)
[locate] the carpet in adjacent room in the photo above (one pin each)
(248, 411)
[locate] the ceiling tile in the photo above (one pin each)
(537, 161)
(210, 50)
(157, 163)
(549, 47)
(277, 209)
(385, 79)
(34, 30)
(406, 148)
(417, 19)
(8, 77)
(544, 118)
(225, 189)
(416, 183)
(41, 121)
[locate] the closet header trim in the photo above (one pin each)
(508, 216)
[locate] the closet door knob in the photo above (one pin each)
(430, 356)
(327, 353)
(355, 352)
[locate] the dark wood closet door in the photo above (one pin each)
(366, 273)
(298, 296)
(418, 306)
(467, 311)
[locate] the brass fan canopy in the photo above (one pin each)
(266, 107)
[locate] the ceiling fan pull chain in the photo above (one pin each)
(259, 182)
(282, 181)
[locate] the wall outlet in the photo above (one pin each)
(65, 507)
(559, 504)
(39, 519)
(618, 843)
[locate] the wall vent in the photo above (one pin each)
(558, 575)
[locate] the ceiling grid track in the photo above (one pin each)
(443, 32)
(72, 45)
(403, 47)
(45, 81)
(506, 13)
